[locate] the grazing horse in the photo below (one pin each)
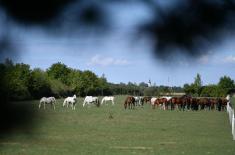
(107, 98)
(164, 102)
(184, 102)
(176, 101)
(139, 100)
(224, 103)
(194, 103)
(130, 102)
(71, 101)
(213, 103)
(47, 100)
(91, 100)
(154, 102)
(147, 99)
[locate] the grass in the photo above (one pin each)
(113, 130)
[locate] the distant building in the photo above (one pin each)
(149, 83)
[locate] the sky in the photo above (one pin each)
(120, 54)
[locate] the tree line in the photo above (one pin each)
(19, 82)
(221, 89)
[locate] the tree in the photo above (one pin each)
(225, 84)
(39, 84)
(59, 71)
(104, 86)
(211, 91)
(16, 79)
(87, 84)
(143, 84)
(197, 85)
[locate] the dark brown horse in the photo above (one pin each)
(147, 99)
(224, 103)
(176, 102)
(130, 102)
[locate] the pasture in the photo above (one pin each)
(110, 129)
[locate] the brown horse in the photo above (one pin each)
(224, 103)
(176, 102)
(156, 102)
(130, 102)
(214, 103)
(147, 99)
(163, 103)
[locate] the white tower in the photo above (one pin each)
(149, 83)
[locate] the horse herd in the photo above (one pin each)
(180, 103)
(164, 103)
(71, 101)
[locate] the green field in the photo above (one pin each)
(113, 130)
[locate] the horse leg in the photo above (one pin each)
(153, 106)
(44, 105)
(54, 106)
(39, 105)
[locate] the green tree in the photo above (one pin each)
(211, 91)
(103, 87)
(225, 84)
(197, 84)
(16, 79)
(39, 84)
(87, 84)
(60, 72)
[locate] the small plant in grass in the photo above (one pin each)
(110, 115)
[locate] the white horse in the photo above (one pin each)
(91, 100)
(71, 101)
(153, 99)
(139, 100)
(47, 100)
(107, 98)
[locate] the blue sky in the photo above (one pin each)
(119, 54)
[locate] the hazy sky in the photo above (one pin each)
(120, 54)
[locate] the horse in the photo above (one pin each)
(139, 100)
(163, 101)
(70, 100)
(147, 99)
(175, 101)
(224, 103)
(152, 101)
(91, 100)
(47, 100)
(130, 102)
(194, 103)
(107, 98)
